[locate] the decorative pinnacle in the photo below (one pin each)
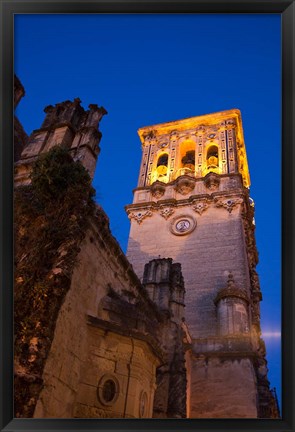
(231, 291)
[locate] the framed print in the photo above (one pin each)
(147, 215)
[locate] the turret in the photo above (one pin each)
(232, 304)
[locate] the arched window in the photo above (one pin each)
(162, 165)
(212, 157)
(163, 160)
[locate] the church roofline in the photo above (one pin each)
(182, 124)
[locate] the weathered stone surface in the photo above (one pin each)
(223, 381)
(72, 344)
(118, 347)
(192, 190)
(67, 124)
(206, 255)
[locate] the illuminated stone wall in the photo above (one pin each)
(115, 350)
(192, 204)
(194, 146)
(207, 254)
(84, 350)
(113, 346)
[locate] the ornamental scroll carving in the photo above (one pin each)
(229, 204)
(139, 216)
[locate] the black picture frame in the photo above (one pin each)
(287, 11)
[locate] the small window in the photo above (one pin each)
(108, 390)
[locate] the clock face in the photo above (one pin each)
(183, 225)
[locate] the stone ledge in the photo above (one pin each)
(118, 329)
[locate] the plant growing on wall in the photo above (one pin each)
(51, 217)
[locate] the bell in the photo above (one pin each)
(162, 170)
(212, 161)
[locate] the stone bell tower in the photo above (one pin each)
(192, 204)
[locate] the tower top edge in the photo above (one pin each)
(205, 119)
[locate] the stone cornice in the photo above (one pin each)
(136, 334)
(189, 123)
(196, 179)
(228, 200)
(234, 346)
(230, 292)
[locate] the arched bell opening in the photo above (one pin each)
(188, 160)
(212, 157)
(161, 171)
(212, 160)
(187, 155)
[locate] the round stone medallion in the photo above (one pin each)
(182, 225)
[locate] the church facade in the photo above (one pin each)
(173, 329)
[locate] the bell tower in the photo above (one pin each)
(192, 204)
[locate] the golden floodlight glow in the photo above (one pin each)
(215, 119)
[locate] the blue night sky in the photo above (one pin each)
(149, 69)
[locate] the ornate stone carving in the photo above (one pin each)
(174, 136)
(228, 204)
(201, 129)
(200, 207)
(221, 126)
(139, 216)
(255, 309)
(163, 144)
(166, 211)
(157, 189)
(184, 185)
(151, 137)
(247, 214)
(255, 280)
(231, 122)
(212, 181)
